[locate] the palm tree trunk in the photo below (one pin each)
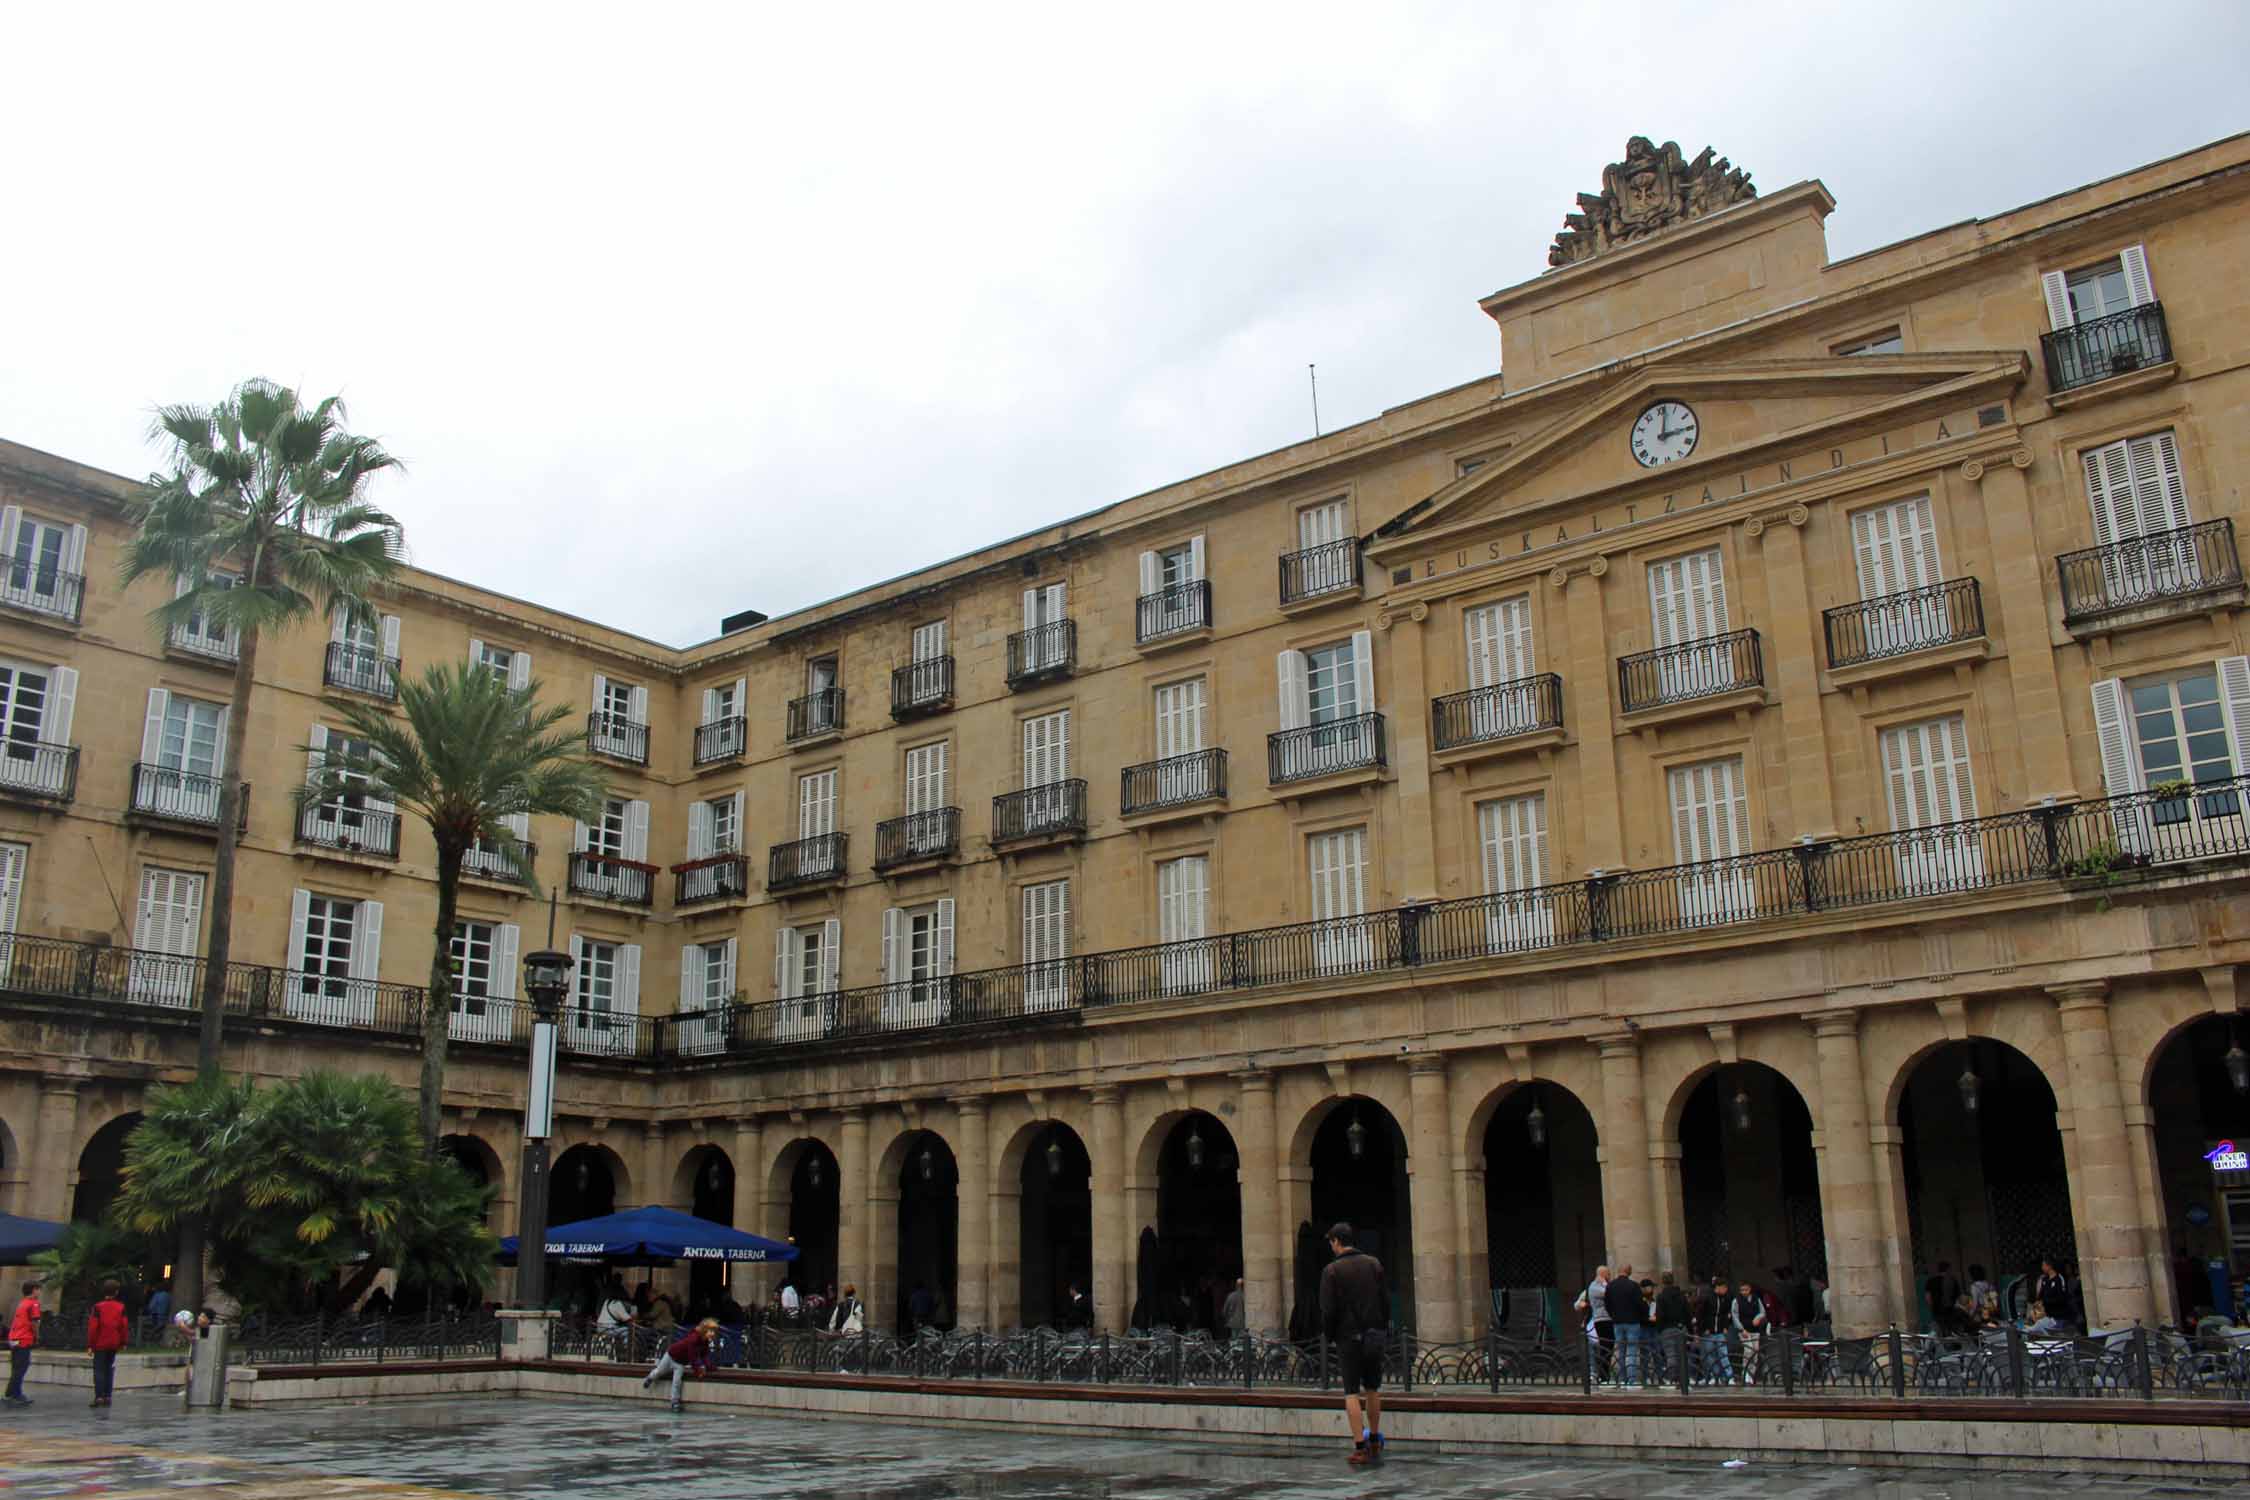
(437, 1021)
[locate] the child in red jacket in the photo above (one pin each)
(106, 1333)
(23, 1337)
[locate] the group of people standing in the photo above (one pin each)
(108, 1331)
(1628, 1322)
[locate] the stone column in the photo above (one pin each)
(1472, 1259)
(2019, 567)
(1265, 1253)
(1852, 1206)
(2112, 1265)
(1113, 1249)
(1430, 1206)
(852, 1172)
(1293, 1202)
(1792, 662)
(53, 1172)
(1410, 751)
(1888, 1144)
(745, 1283)
(1626, 1209)
(1667, 1207)
(654, 1171)
(972, 1276)
(1590, 681)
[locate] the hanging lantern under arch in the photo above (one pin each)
(1535, 1125)
(1054, 1157)
(1355, 1137)
(1195, 1146)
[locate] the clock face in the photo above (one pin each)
(1664, 434)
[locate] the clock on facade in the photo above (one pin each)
(1664, 434)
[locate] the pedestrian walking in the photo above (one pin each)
(107, 1332)
(23, 1337)
(1232, 1314)
(1747, 1314)
(1353, 1314)
(691, 1351)
(1707, 1319)
(1594, 1303)
(1628, 1315)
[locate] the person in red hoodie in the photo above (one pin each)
(106, 1334)
(23, 1337)
(692, 1351)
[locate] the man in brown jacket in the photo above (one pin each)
(1354, 1311)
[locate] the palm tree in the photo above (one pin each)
(264, 489)
(465, 754)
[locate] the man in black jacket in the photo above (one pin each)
(1354, 1311)
(1628, 1313)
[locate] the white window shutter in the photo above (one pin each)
(339, 618)
(691, 977)
(2109, 492)
(698, 830)
(1031, 608)
(2167, 500)
(894, 945)
(1363, 669)
(1149, 573)
(2113, 729)
(152, 732)
(945, 936)
(1195, 558)
(11, 522)
(600, 699)
(636, 830)
(1715, 594)
(219, 751)
(367, 942)
(62, 702)
(390, 636)
(710, 706)
(2234, 701)
(519, 671)
(726, 970)
(74, 551)
(507, 938)
(519, 824)
(784, 967)
(316, 753)
(300, 914)
(742, 698)
(1295, 680)
(577, 962)
(2054, 286)
(831, 947)
(476, 652)
(639, 705)
(2134, 258)
(578, 838)
(629, 978)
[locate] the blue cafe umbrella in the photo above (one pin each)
(21, 1238)
(651, 1234)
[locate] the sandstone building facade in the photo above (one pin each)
(1759, 782)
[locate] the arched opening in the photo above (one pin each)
(582, 1185)
(1359, 1177)
(2199, 1097)
(1542, 1206)
(929, 1229)
(814, 1212)
(1986, 1183)
(482, 1164)
(1056, 1221)
(1183, 1278)
(704, 1184)
(101, 1169)
(1750, 1184)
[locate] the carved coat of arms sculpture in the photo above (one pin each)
(1653, 188)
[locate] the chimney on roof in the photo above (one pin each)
(742, 621)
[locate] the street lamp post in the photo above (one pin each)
(546, 975)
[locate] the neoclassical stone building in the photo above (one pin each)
(1758, 781)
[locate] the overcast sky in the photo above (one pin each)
(674, 312)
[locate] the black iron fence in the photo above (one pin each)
(359, 670)
(2149, 569)
(721, 877)
(816, 713)
(918, 835)
(806, 861)
(1690, 669)
(182, 796)
(42, 590)
(617, 737)
(609, 878)
(31, 769)
(1911, 620)
(367, 829)
(1042, 652)
(1049, 811)
(352, 1339)
(225, 646)
(485, 862)
(921, 687)
(1175, 781)
(1329, 568)
(1170, 611)
(1497, 712)
(721, 739)
(1324, 749)
(2101, 347)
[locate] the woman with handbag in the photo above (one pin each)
(849, 1316)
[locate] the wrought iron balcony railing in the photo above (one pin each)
(606, 877)
(48, 773)
(1496, 712)
(1691, 669)
(816, 714)
(42, 590)
(1175, 781)
(360, 671)
(719, 877)
(1897, 624)
(220, 648)
(1330, 568)
(721, 739)
(917, 836)
(182, 796)
(483, 862)
(1051, 811)
(1173, 611)
(804, 862)
(1042, 653)
(617, 737)
(2147, 570)
(922, 687)
(1323, 749)
(340, 826)
(2098, 348)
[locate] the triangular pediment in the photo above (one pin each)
(1746, 411)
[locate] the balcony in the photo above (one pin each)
(1896, 624)
(922, 687)
(1352, 744)
(2101, 348)
(1173, 613)
(935, 834)
(1330, 568)
(223, 649)
(1042, 654)
(721, 740)
(1056, 810)
(617, 737)
(349, 829)
(606, 877)
(360, 671)
(41, 590)
(483, 862)
(1695, 669)
(1498, 712)
(2149, 570)
(721, 877)
(818, 860)
(1175, 781)
(176, 796)
(816, 714)
(42, 773)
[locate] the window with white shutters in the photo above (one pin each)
(1167, 602)
(1046, 943)
(2138, 495)
(816, 804)
(805, 972)
(2180, 731)
(42, 563)
(929, 641)
(1930, 786)
(925, 778)
(1183, 894)
(1710, 830)
(917, 964)
(1337, 867)
(1895, 549)
(182, 743)
(1513, 832)
(511, 667)
(167, 929)
(1325, 561)
(1179, 718)
(204, 635)
(335, 946)
(604, 1013)
(1688, 609)
(484, 980)
(1046, 749)
(2117, 284)
(15, 860)
(473, 944)
(1499, 641)
(36, 704)
(597, 978)
(605, 836)
(1328, 691)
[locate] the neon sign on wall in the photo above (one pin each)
(2225, 1158)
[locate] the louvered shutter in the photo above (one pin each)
(152, 729)
(726, 973)
(367, 942)
(1195, 558)
(945, 937)
(741, 698)
(1708, 580)
(2134, 259)
(476, 652)
(601, 695)
(580, 837)
(2054, 290)
(1183, 887)
(1895, 547)
(691, 977)
(507, 939)
(339, 619)
(636, 704)
(740, 839)
(784, 963)
(2109, 492)
(710, 706)
(390, 637)
(11, 524)
(2234, 702)
(300, 917)
(1294, 679)
(1363, 671)
(2159, 491)
(831, 955)
(219, 745)
(636, 830)
(519, 671)
(699, 830)
(62, 705)
(13, 859)
(1515, 843)
(316, 752)
(1927, 765)
(2113, 730)
(1710, 815)
(74, 551)
(894, 945)
(629, 978)
(1667, 602)
(1149, 572)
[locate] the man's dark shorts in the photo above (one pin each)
(1362, 1361)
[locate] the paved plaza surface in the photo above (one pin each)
(535, 1447)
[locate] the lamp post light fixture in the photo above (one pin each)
(1741, 1106)
(1535, 1125)
(929, 1165)
(2238, 1068)
(546, 978)
(1195, 1146)
(1054, 1157)
(812, 1172)
(1355, 1137)
(1970, 1086)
